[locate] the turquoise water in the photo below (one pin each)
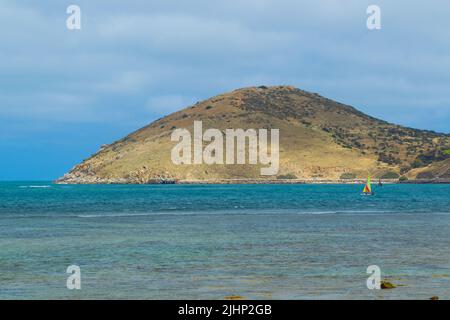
(212, 241)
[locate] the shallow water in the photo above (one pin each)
(211, 241)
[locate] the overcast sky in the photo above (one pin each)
(64, 92)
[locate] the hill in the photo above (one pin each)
(319, 139)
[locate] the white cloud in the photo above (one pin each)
(166, 104)
(154, 56)
(126, 82)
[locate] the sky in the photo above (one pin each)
(64, 93)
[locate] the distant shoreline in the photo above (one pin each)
(311, 181)
(267, 181)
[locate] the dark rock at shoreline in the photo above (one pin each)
(387, 285)
(233, 298)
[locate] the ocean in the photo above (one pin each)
(214, 241)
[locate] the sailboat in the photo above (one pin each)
(367, 191)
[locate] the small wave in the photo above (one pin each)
(318, 212)
(369, 212)
(159, 213)
(347, 212)
(214, 212)
(43, 186)
(114, 215)
(245, 212)
(119, 215)
(224, 212)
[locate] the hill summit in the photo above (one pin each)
(319, 139)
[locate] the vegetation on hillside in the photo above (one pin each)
(319, 139)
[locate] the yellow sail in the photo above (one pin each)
(368, 186)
